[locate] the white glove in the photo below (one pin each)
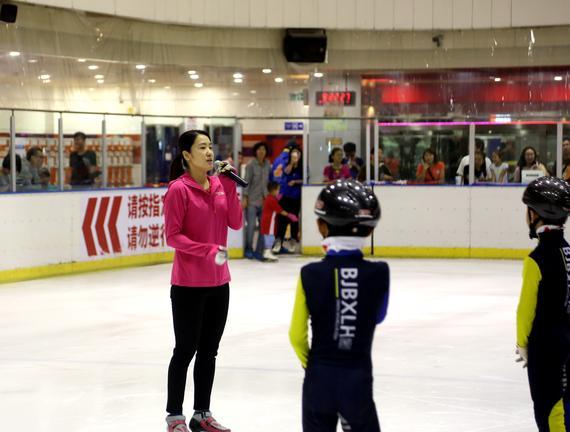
(221, 256)
(523, 356)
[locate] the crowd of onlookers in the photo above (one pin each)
(32, 175)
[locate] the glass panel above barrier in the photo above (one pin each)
(327, 158)
(161, 147)
(123, 136)
(421, 153)
(82, 141)
(516, 152)
(37, 138)
(4, 149)
(278, 135)
(565, 170)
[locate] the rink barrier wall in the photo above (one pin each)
(428, 252)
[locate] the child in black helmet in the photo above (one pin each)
(345, 297)
(543, 314)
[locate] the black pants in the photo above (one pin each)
(547, 376)
(290, 205)
(330, 393)
(199, 316)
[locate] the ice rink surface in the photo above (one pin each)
(89, 353)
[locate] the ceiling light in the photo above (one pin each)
(238, 80)
(238, 75)
(497, 79)
(152, 80)
(166, 87)
(253, 91)
(278, 80)
(44, 77)
(192, 72)
(318, 74)
(266, 71)
(99, 76)
(100, 81)
(32, 60)
(558, 78)
(140, 67)
(92, 67)
(235, 94)
(14, 53)
(198, 85)
(46, 81)
(194, 76)
(81, 60)
(91, 89)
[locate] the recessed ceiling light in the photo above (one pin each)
(44, 77)
(318, 74)
(100, 81)
(194, 76)
(152, 80)
(199, 85)
(167, 87)
(46, 81)
(99, 76)
(253, 91)
(558, 78)
(92, 67)
(278, 80)
(14, 53)
(91, 89)
(266, 71)
(191, 72)
(32, 60)
(238, 75)
(497, 79)
(81, 60)
(235, 94)
(140, 67)
(238, 80)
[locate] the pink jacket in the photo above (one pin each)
(196, 223)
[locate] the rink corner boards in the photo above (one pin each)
(63, 269)
(433, 252)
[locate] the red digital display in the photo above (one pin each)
(346, 98)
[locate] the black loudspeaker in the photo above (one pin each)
(8, 12)
(305, 45)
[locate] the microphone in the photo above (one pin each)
(219, 166)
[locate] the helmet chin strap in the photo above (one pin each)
(532, 226)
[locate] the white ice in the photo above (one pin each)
(89, 353)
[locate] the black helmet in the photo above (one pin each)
(347, 203)
(549, 197)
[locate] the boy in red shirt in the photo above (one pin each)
(269, 213)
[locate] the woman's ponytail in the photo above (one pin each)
(177, 167)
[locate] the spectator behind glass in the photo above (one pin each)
(384, 173)
(336, 170)
(45, 178)
(528, 161)
(482, 174)
(83, 163)
(291, 182)
(257, 175)
(354, 162)
(5, 179)
(430, 170)
(499, 169)
(479, 146)
(565, 160)
(31, 166)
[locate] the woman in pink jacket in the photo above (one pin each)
(198, 209)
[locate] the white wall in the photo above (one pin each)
(334, 14)
(439, 217)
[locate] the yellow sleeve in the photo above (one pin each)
(299, 330)
(526, 310)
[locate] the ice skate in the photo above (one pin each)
(268, 255)
(291, 248)
(176, 423)
(276, 246)
(204, 422)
